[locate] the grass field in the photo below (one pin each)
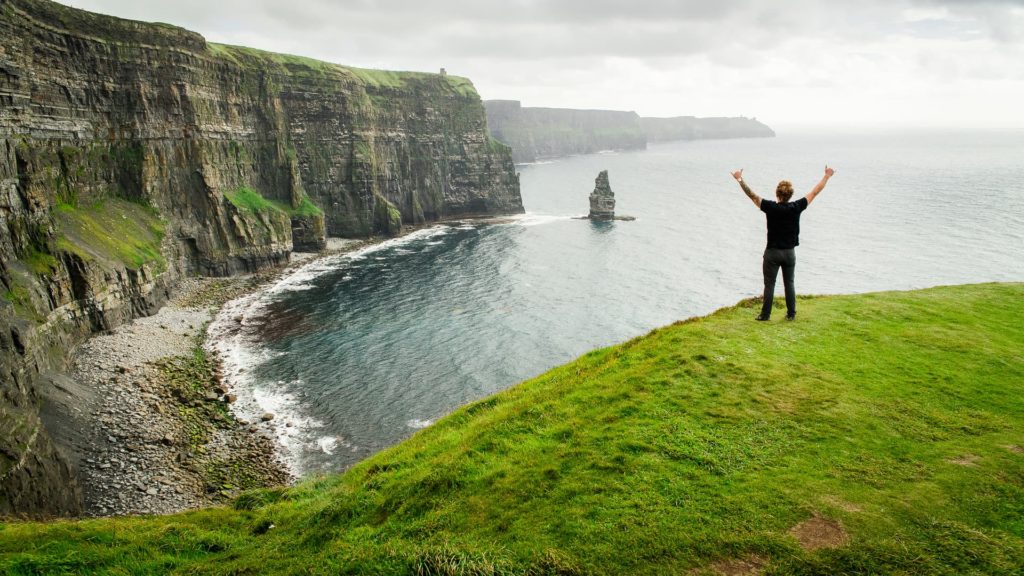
(877, 434)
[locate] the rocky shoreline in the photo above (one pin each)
(147, 415)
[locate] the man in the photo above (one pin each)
(783, 237)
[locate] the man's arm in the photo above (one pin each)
(819, 186)
(738, 175)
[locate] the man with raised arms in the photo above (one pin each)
(783, 237)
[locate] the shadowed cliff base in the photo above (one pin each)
(716, 445)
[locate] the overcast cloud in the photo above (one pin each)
(936, 63)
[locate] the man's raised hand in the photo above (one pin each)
(820, 185)
(738, 175)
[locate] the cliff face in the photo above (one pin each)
(132, 154)
(535, 133)
(692, 128)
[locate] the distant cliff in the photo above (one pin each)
(132, 154)
(535, 133)
(692, 128)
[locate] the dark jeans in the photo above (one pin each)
(773, 259)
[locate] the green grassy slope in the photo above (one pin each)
(897, 418)
(112, 229)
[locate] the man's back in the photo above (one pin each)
(783, 222)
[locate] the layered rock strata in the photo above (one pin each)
(133, 154)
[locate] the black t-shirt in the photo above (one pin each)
(783, 222)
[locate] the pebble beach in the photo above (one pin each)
(155, 434)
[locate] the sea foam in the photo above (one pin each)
(234, 338)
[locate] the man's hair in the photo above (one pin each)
(784, 191)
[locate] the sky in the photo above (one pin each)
(794, 63)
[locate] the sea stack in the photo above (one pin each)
(602, 199)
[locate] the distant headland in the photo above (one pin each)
(538, 133)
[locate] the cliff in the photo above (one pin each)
(692, 128)
(132, 154)
(536, 133)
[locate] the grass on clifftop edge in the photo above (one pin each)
(394, 79)
(893, 422)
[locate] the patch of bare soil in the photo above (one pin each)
(965, 460)
(1014, 448)
(819, 532)
(752, 565)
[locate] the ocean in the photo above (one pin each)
(355, 352)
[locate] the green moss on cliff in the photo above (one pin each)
(111, 229)
(362, 150)
(496, 146)
(19, 293)
(307, 208)
(41, 263)
(387, 218)
(19, 297)
(249, 200)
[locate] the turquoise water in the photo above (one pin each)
(358, 352)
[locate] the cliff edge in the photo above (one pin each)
(133, 154)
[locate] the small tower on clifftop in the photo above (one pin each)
(602, 199)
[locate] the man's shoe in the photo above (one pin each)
(762, 318)
(791, 316)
